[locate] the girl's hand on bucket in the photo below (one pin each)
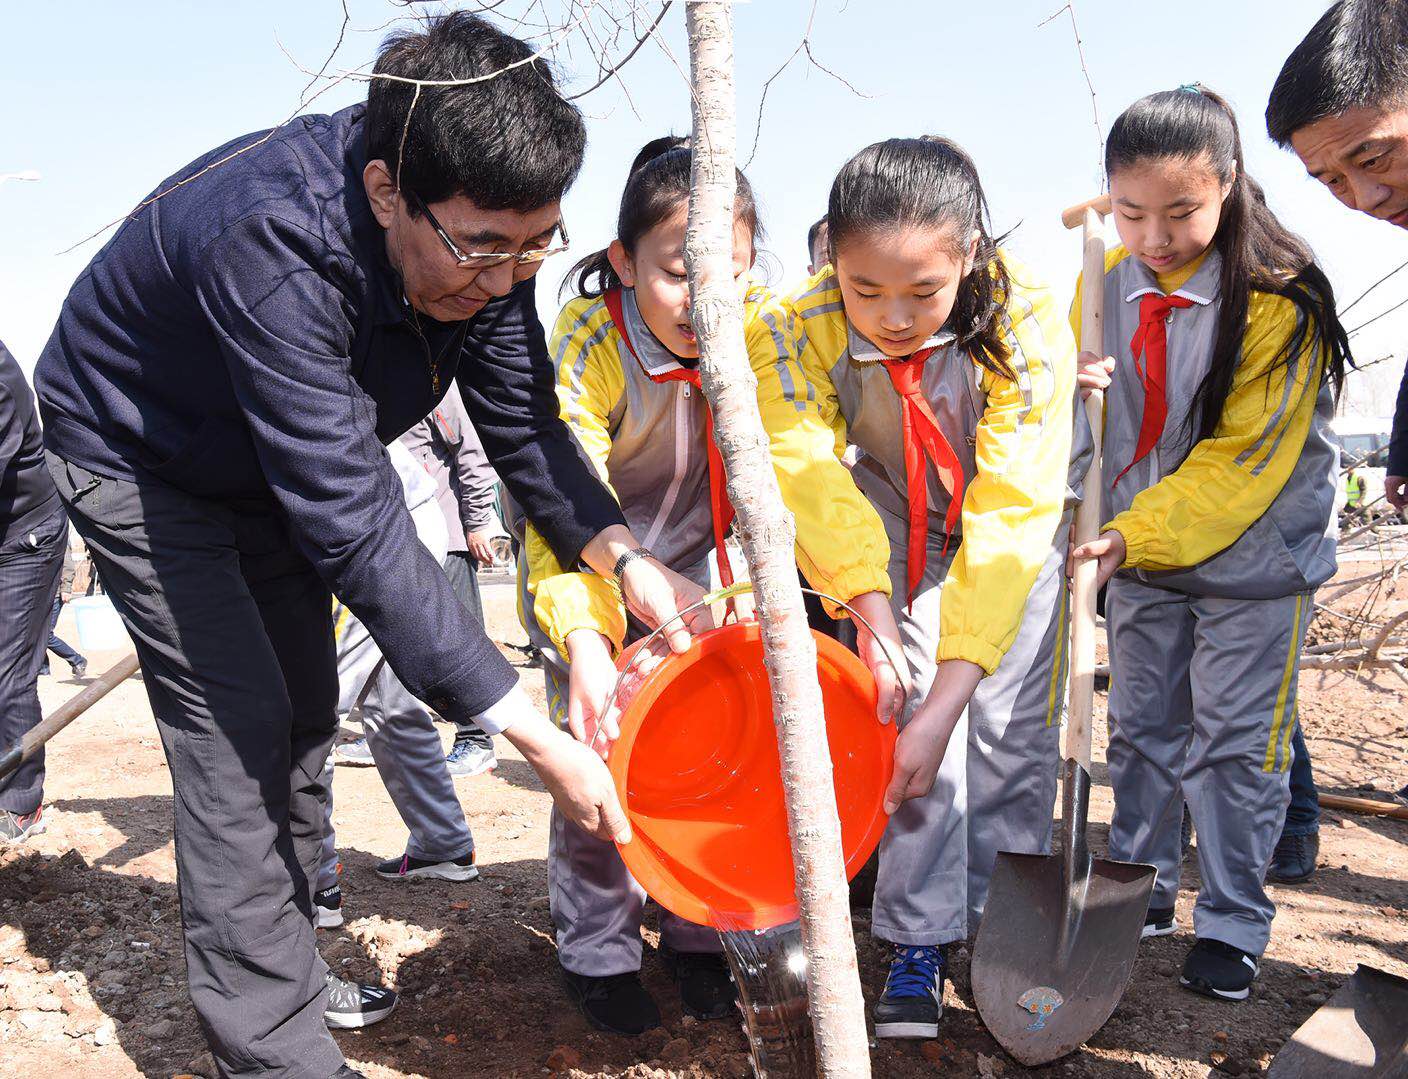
(1109, 548)
(922, 743)
(592, 676)
(881, 652)
(1093, 373)
(656, 594)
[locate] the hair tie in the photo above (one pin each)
(1191, 88)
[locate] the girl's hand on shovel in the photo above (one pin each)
(1093, 373)
(924, 740)
(1108, 548)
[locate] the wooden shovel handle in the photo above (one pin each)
(1373, 807)
(1087, 524)
(13, 756)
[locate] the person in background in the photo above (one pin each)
(61, 648)
(1340, 103)
(818, 246)
(448, 449)
(32, 543)
(400, 738)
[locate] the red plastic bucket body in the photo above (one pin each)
(698, 772)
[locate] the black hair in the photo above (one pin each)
(1258, 252)
(657, 185)
(930, 182)
(1355, 56)
(508, 143)
(817, 226)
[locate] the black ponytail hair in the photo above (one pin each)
(657, 185)
(930, 182)
(1258, 253)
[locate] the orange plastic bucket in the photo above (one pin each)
(697, 769)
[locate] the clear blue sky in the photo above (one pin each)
(106, 99)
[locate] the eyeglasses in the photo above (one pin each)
(485, 260)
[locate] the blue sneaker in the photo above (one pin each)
(914, 992)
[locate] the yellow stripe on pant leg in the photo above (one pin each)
(1279, 714)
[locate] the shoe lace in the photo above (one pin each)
(914, 971)
(1293, 846)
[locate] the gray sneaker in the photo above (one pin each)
(356, 753)
(16, 828)
(351, 1005)
(470, 758)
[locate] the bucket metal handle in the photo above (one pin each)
(738, 588)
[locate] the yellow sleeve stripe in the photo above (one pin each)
(772, 347)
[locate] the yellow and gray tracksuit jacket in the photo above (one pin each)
(1227, 538)
(646, 439)
(996, 598)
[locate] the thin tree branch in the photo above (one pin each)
(615, 68)
(1070, 9)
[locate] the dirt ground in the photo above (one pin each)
(92, 974)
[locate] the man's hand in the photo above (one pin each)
(479, 546)
(924, 741)
(881, 652)
(576, 778)
(593, 676)
(1093, 373)
(1396, 491)
(1108, 548)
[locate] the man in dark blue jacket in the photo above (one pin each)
(215, 397)
(1341, 103)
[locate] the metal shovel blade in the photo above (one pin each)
(1058, 939)
(1359, 1033)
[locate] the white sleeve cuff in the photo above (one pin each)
(508, 710)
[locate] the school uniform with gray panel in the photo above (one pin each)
(1227, 540)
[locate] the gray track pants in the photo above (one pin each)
(406, 746)
(1203, 709)
(996, 787)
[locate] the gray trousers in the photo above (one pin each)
(30, 566)
(406, 747)
(233, 630)
(996, 786)
(1203, 710)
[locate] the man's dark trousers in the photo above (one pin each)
(57, 644)
(30, 565)
(233, 629)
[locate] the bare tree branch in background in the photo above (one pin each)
(1070, 9)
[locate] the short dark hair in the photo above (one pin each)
(817, 226)
(1355, 56)
(508, 143)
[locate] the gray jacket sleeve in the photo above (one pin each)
(475, 479)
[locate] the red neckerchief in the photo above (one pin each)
(1151, 341)
(721, 507)
(923, 438)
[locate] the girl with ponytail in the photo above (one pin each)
(1223, 358)
(952, 372)
(628, 389)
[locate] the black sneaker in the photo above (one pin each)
(912, 1003)
(1158, 922)
(1293, 861)
(351, 1005)
(706, 987)
(405, 867)
(16, 828)
(1219, 970)
(327, 904)
(80, 667)
(617, 1003)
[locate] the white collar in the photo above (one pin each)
(863, 350)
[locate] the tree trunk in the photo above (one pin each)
(768, 532)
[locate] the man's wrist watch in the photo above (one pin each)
(626, 559)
